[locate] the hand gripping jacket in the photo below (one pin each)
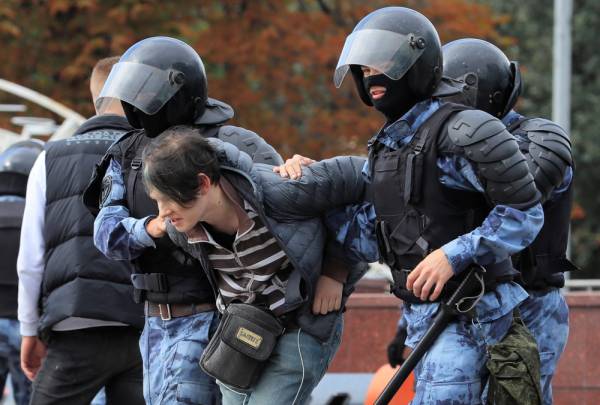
(167, 274)
(417, 214)
(547, 148)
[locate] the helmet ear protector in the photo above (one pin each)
(517, 87)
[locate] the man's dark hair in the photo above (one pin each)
(173, 160)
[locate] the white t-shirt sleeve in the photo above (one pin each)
(30, 263)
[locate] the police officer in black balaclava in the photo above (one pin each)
(442, 200)
(161, 82)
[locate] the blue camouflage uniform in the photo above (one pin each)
(10, 362)
(453, 370)
(171, 349)
(546, 313)
(10, 350)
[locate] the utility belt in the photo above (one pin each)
(173, 289)
(494, 275)
(170, 311)
(541, 272)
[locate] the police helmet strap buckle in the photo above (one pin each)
(165, 316)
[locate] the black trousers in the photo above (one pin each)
(80, 362)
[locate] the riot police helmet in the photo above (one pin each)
(492, 82)
(20, 156)
(160, 82)
(16, 162)
(400, 43)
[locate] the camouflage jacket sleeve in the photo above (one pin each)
(116, 234)
(505, 231)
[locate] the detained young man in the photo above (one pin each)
(261, 240)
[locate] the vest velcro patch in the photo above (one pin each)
(250, 338)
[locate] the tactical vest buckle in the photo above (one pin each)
(136, 163)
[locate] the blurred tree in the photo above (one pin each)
(273, 60)
(52, 45)
(531, 25)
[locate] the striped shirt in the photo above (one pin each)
(255, 269)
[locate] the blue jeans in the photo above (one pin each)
(294, 369)
(171, 352)
(10, 361)
(546, 314)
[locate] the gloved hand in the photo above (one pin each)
(395, 349)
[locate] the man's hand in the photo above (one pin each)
(328, 296)
(33, 351)
(156, 227)
(292, 168)
(434, 270)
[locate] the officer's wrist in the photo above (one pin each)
(456, 257)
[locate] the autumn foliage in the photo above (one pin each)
(272, 60)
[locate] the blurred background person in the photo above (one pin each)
(15, 165)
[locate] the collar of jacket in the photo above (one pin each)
(104, 121)
(511, 118)
(399, 132)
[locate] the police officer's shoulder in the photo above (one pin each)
(548, 154)
(251, 143)
(486, 142)
(124, 139)
(124, 142)
(483, 137)
(550, 136)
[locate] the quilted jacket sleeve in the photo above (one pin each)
(323, 186)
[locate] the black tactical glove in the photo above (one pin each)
(395, 349)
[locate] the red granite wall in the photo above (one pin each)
(371, 321)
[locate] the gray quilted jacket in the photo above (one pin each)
(292, 210)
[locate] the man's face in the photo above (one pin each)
(376, 92)
(183, 217)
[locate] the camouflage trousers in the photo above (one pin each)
(546, 314)
(10, 361)
(171, 352)
(453, 371)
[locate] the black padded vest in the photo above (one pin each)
(11, 216)
(416, 214)
(170, 275)
(543, 263)
(78, 280)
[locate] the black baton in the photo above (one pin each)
(468, 288)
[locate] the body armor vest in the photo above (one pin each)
(11, 216)
(166, 273)
(416, 214)
(543, 263)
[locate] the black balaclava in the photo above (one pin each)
(398, 97)
(175, 112)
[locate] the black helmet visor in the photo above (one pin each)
(145, 87)
(388, 52)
